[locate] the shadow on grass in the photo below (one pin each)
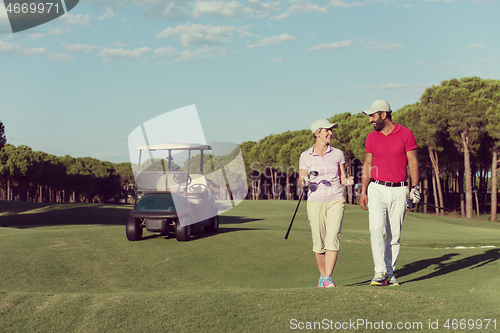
(64, 214)
(201, 233)
(31, 215)
(442, 267)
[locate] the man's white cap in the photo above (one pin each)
(322, 123)
(378, 105)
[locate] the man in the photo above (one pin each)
(388, 151)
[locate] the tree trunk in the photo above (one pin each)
(253, 189)
(494, 184)
(435, 164)
(461, 191)
(287, 187)
(435, 193)
(477, 204)
(275, 184)
(483, 189)
(426, 191)
(349, 189)
(467, 171)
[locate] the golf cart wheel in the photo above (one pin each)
(214, 227)
(182, 233)
(134, 229)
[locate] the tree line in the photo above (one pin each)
(456, 124)
(457, 127)
(28, 175)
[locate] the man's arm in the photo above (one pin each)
(365, 180)
(413, 164)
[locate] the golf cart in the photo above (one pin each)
(168, 198)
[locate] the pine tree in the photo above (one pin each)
(456, 101)
(3, 140)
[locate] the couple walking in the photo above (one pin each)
(388, 151)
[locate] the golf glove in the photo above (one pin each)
(415, 196)
(305, 181)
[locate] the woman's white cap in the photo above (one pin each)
(322, 123)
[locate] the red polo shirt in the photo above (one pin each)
(389, 153)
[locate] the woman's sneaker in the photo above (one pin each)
(379, 280)
(321, 282)
(328, 283)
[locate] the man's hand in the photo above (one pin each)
(363, 201)
(415, 196)
(305, 181)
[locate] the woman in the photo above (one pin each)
(325, 203)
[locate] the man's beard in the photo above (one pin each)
(379, 124)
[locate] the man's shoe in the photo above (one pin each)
(379, 280)
(321, 282)
(393, 282)
(328, 283)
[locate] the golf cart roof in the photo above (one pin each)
(176, 146)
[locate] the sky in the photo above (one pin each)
(80, 84)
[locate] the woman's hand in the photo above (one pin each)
(347, 181)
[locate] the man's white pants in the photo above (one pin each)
(386, 211)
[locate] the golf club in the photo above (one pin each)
(409, 204)
(314, 173)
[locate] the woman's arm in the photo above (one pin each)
(302, 174)
(343, 179)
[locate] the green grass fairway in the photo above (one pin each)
(70, 268)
